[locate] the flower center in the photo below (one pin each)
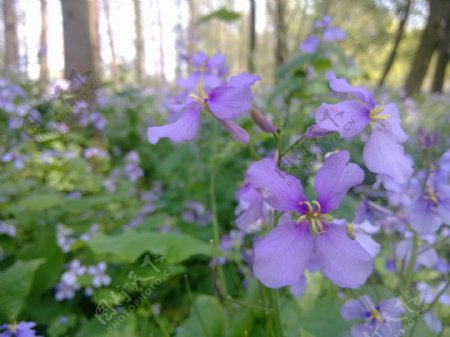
(432, 196)
(201, 97)
(375, 314)
(375, 114)
(314, 216)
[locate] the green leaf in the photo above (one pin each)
(127, 247)
(206, 319)
(41, 202)
(119, 325)
(45, 247)
(304, 333)
(222, 14)
(15, 285)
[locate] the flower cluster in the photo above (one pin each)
(327, 33)
(69, 285)
(21, 329)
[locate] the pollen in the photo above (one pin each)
(375, 314)
(314, 217)
(375, 114)
(201, 97)
(432, 196)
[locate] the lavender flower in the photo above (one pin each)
(7, 229)
(382, 153)
(224, 102)
(253, 211)
(383, 320)
(283, 255)
(21, 329)
(99, 278)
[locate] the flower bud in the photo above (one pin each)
(261, 120)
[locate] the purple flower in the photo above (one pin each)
(310, 45)
(383, 320)
(253, 211)
(22, 329)
(284, 254)
(430, 207)
(363, 235)
(99, 278)
(382, 153)
(324, 22)
(224, 102)
(334, 34)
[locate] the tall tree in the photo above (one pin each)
(252, 37)
(139, 42)
(114, 69)
(428, 43)
(443, 59)
(11, 38)
(43, 50)
(81, 51)
(404, 11)
(280, 32)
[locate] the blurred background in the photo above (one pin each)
(402, 43)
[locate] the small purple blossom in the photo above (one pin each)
(224, 102)
(21, 329)
(284, 254)
(382, 153)
(383, 320)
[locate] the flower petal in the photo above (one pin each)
(424, 218)
(341, 259)
(348, 118)
(341, 85)
(280, 190)
(335, 178)
(298, 288)
(433, 323)
(382, 155)
(310, 45)
(235, 131)
(393, 123)
(354, 309)
(244, 80)
(185, 128)
(282, 256)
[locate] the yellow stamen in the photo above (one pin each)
(314, 217)
(351, 230)
(375, 113)
(203, 96)
(431, 195)
(376, 314)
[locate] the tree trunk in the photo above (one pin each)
(398, 37)
(139, 42)
(80, 36)
(11, 38)
(191, 31)
(280, 32)
(252, 37)
(114, 70)
(442, 61)
(43, 51)
(161, 44)
(427, 45)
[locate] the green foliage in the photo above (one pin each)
(127, 247)
(15, 286)
(222, 14)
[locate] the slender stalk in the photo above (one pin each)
(277, 313)
(293, 145)
(412, 262)
(215, 221)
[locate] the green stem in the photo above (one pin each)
(277, 313)
(294, 144)
(215, 222)
(412, 262)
